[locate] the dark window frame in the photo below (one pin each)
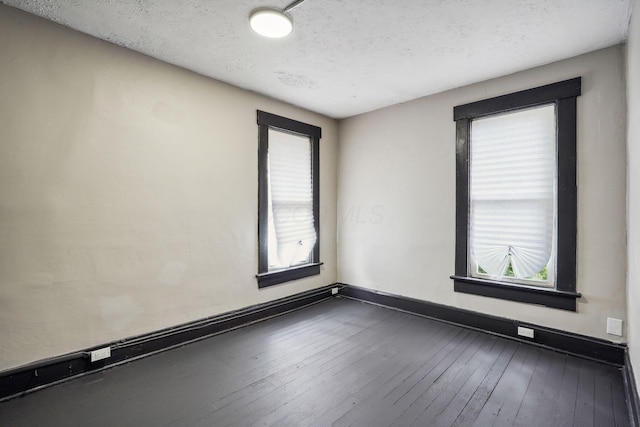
(268, 121)
(563, 94)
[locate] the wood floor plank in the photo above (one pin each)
(530, 406)
(339, 362)
(371, 374)
(365, 401)
(583, 413)
(620, 410)
(232, 349)
(565, 404)
(281, 384)
(237, 382)
(392, 363)
(367, 366)
(410, 391)
(603, 407)
(445, 389)
(510, 382)
(368, 404)
(480, 396)
(455, 400)
(513, 400)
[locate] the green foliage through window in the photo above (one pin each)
(541, 275)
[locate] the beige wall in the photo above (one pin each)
(633, 181)
(128, 193)
(396, 207)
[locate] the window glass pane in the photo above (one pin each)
(292, 234)
(512, 194)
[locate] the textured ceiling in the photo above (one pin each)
(349, 57)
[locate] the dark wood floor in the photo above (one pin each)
(339, 362)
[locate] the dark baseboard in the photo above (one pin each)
(631, 392)
(19, 381)
(579, 345)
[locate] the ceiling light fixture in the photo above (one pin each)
(271, 22)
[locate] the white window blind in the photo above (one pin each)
(512, 191)
(292, 235)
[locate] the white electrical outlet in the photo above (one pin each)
(525, 332)
(101, 353)
(334, 291)
(614, 326)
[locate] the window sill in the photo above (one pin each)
(281, 276)
(522, 293)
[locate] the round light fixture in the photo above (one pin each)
(270, 22)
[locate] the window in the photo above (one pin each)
(512, 207)
(516, 200)
(288, 200)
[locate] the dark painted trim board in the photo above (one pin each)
(631, 392)
(579, 345)
(24, 379)
(19, 381)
